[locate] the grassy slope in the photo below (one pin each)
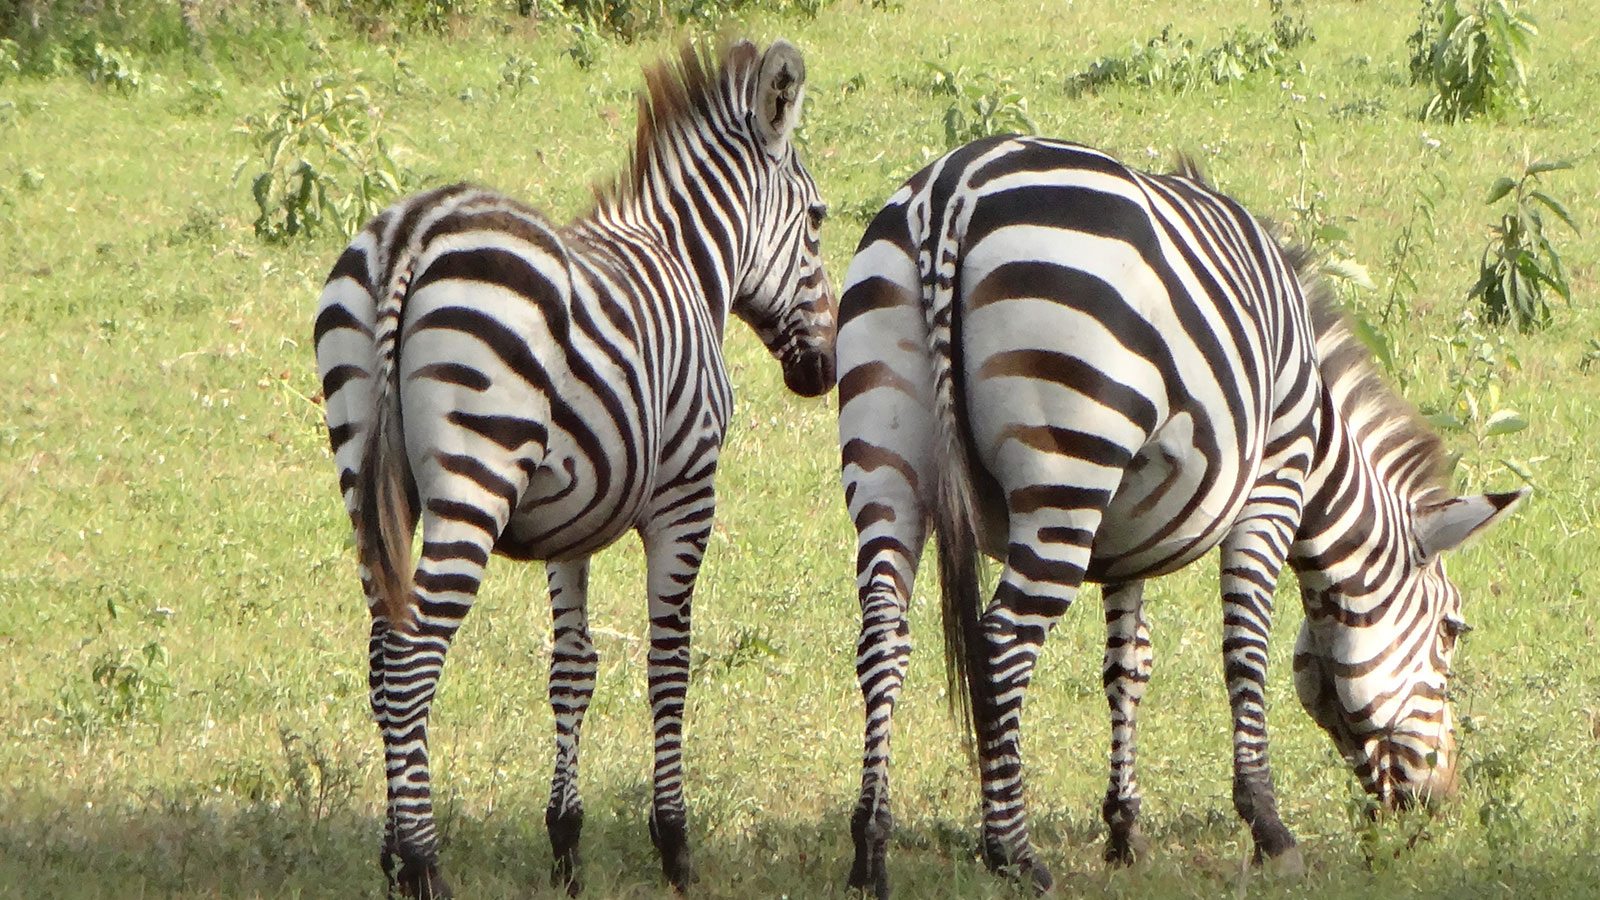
(165, 485)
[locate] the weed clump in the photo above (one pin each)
(1520, 262)
(327, 160)
(1172, 61)
(1471, 57)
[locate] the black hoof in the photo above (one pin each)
(1028, 869)
(1039, 875)
(671, 837)
(870, 871)
(415, 880)
(564, 832)
(1126, 848)
(1272, 841)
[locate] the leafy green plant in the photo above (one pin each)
(10, 59)
(123, 686)
(1591, 355)
(1520, 262)
(1474, 362)
(1170, 59)
(518, 72)
(983, 105)
(1471, 56)
(750, 646)
(326, 163)
(586, 47)
(1405, 257)
(113, 67)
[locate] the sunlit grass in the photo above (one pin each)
(172, 514)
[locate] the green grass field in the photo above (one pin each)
(182, 638)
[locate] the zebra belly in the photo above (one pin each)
(1173, 505)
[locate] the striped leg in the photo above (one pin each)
(1035, 590)
(572, 677)
(454, 553)
(1126, 673)
(1252, 557)
(375, 697)
(891, 534)
(673, 553)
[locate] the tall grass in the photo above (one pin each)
(185, 711)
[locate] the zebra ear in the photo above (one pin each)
(1445, 526)
(780, 87)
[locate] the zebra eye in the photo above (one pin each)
(818, 213)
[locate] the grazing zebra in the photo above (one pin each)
(538, 391)
(1092, 373)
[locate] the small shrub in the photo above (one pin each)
(983, 105)
(1520, 262)
(113, 67)
(1474, 362)
(326, 163)
(518, 72)
(10, 59)
(1170, 60)
(1472, 57)
(123, 687)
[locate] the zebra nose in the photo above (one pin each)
(809, 373)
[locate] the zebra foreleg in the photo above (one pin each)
(1126, 673)
(1252, 557)
(573, 662)
(673, 561)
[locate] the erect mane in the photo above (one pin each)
(676, 94)
(1403, 449)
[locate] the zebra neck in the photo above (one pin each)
(675, 210)
(1352, 542)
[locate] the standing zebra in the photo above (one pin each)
(538, 391)
(1092, 373)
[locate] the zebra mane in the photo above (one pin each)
(703, 78)
(1403, 449)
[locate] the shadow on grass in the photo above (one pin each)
(216, 847)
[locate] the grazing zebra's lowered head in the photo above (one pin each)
(1372, 662)
(781, 290)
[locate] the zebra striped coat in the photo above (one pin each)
(538, 391)
(1092, 373)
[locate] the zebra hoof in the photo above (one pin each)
(565, 829)
(1127, 848)
(419, 881)
(870, 874)
(870, 871)
(1288, 865)
(671, 838)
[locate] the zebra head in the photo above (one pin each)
(1372, 662)
(783, 292)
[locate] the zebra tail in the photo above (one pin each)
(954, 518)
(387, 519)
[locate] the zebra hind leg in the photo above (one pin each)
(882, 654)
(408, 871)
(1127, 671)
(573, 662)
(673, 555)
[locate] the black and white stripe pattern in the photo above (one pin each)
(1092, 373)
(538, 391)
